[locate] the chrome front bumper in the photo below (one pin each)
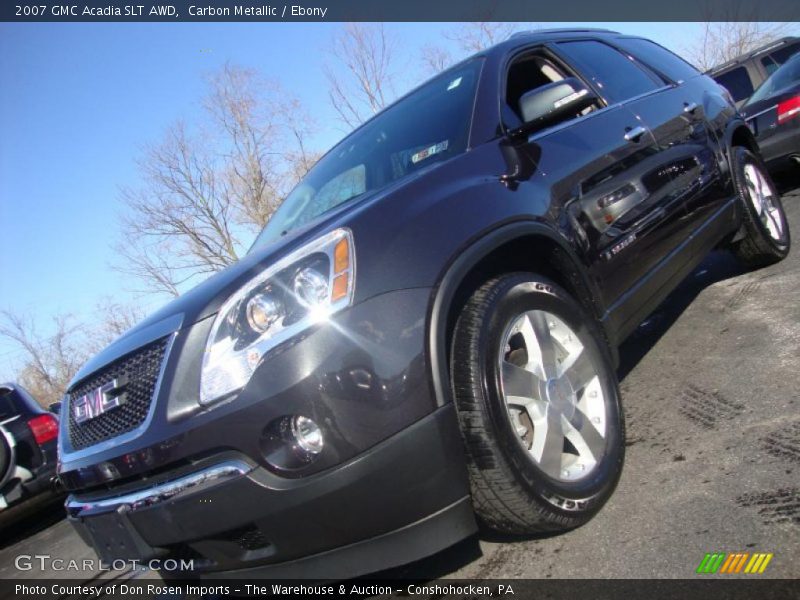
(208, 477)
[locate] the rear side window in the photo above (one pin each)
(786, 75)
(616, 76)
(781, 55)
(737, 82)
(769, 65)
(659, 59)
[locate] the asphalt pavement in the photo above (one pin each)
(711, 390)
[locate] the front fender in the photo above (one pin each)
(456, 272)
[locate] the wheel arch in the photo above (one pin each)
(519, 246)
(738, 134)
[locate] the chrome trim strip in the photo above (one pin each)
(125, 437)
(159, 493)
(758, 114)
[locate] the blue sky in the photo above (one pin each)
(77, 103)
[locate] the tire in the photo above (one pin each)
(512, 491)
(767, 239)
(6, 457)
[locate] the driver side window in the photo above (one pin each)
(530, 72)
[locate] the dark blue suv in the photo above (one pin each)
(427, 328)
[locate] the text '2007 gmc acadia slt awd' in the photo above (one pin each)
(426, 329)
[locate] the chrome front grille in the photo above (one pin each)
(140, 370)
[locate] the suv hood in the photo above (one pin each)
(205, 299)
(202, 301)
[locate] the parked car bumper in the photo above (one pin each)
(781, 148)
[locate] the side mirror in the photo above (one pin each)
(55, 408)
(553, 102)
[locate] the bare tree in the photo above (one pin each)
(435, 58)
(476, 36)
(110, 320)
(721, 41)
(50, 361)
(469, 38)
(208, 189)
(365, 81)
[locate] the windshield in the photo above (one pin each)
(426, 127)
(787, 75)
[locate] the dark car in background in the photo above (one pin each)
(773, 114)
(427, 328)
(28, 453)
(742, 75)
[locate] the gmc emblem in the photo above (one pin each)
(98, 401)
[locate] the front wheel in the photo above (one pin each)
(766, 239)
(538, 404)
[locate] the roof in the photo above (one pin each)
(542, 35)
(561, 30)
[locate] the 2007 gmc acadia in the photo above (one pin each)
(427, 328)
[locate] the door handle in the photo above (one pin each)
(689, 107)
(633, 134)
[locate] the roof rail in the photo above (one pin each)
(752, 53)
(562, 30)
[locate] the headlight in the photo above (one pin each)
(302, 289)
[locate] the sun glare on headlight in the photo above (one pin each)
(303, 289)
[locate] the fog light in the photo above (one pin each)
(308, 434)
(291, 442)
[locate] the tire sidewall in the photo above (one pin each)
(741, 158)
(519, 294)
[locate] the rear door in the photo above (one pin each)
(637, 205)
(677, 117)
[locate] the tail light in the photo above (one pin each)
(788, 109)
(44, 428)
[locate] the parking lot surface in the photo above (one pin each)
(711, 389)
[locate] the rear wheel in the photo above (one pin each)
(767, 238)
(538, 405)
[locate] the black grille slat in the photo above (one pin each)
(141, 370)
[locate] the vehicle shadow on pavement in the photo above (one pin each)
(437, 566)
(787, 181)
(717, 266)
(14, 529)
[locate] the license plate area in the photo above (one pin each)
(114, 537)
